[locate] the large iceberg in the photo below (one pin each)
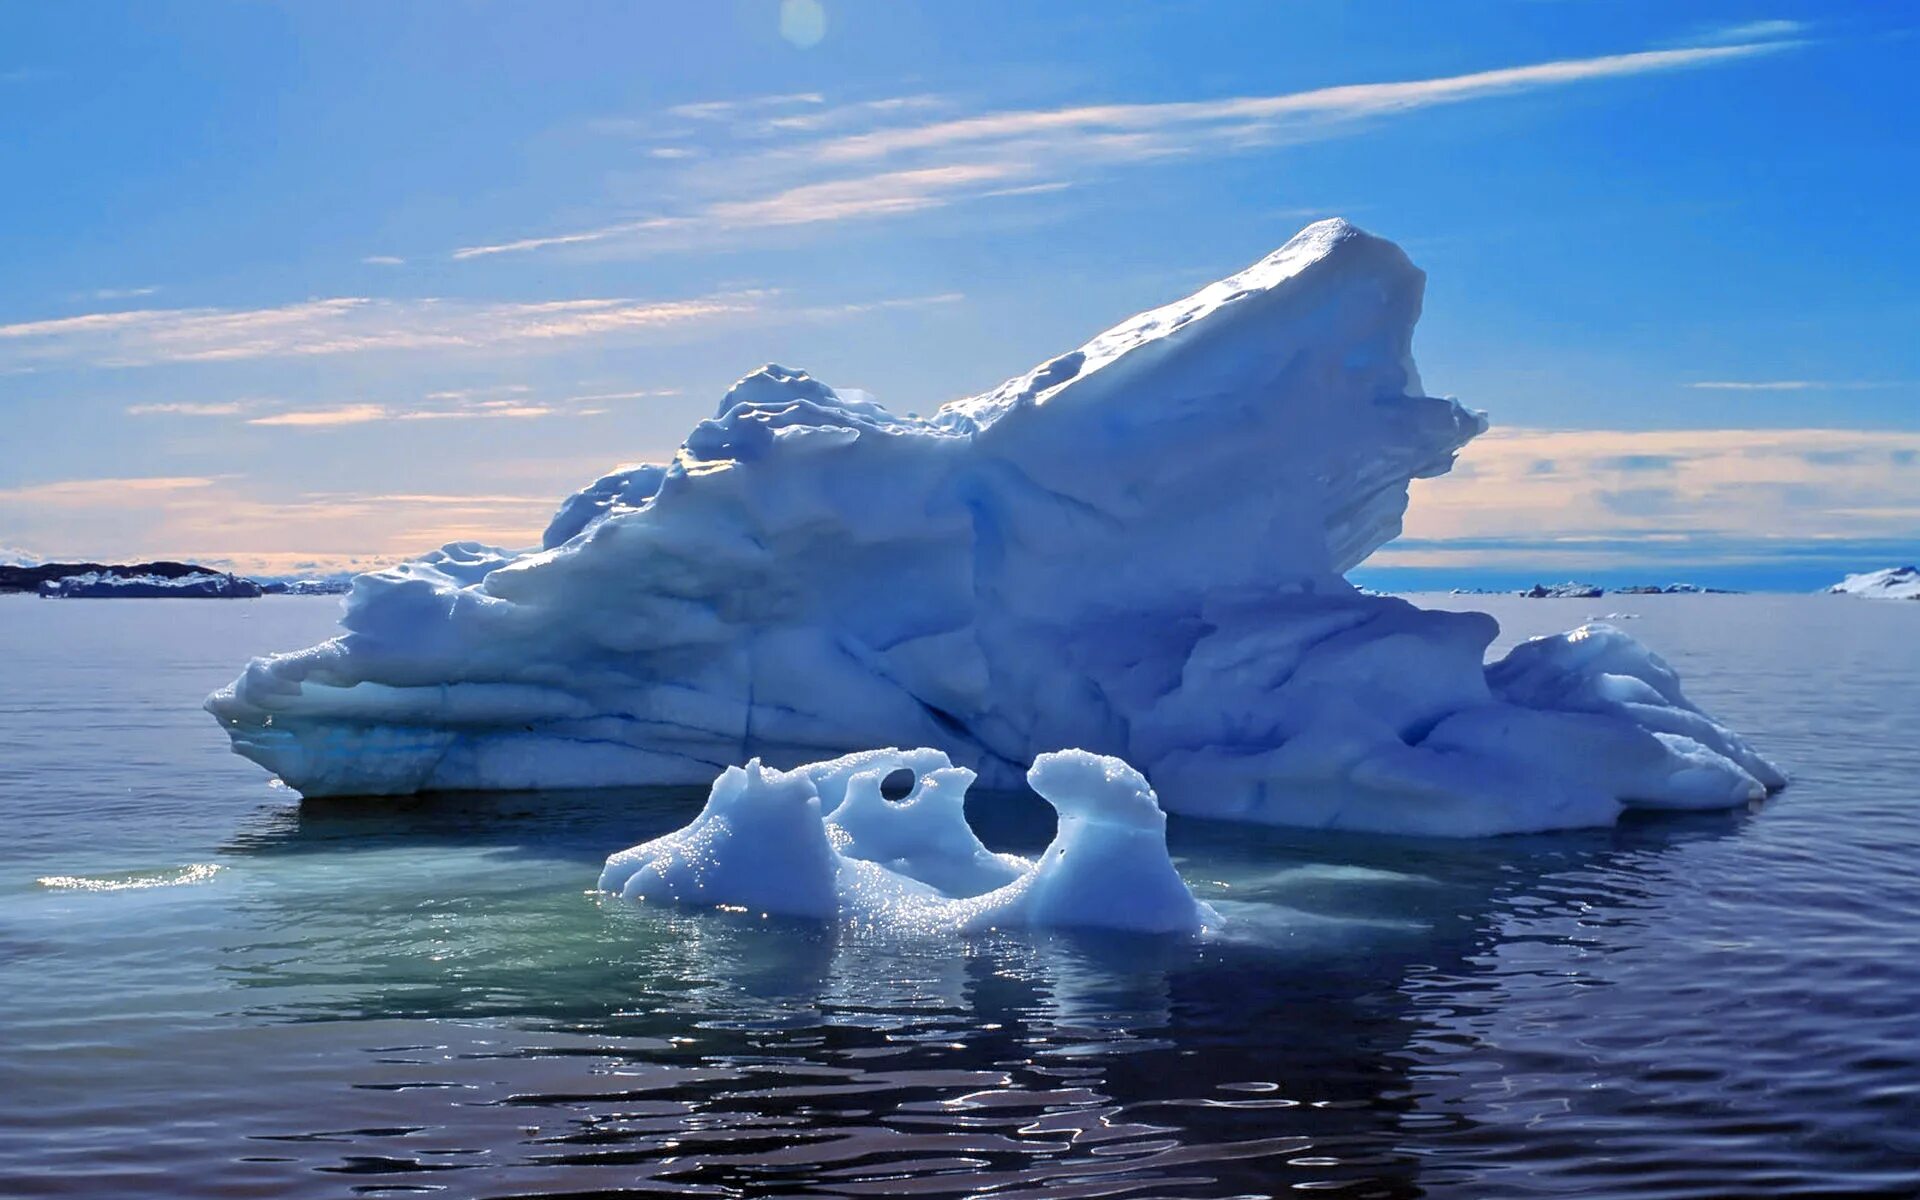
(1892, 583)
(824, 842)
(1137, 548)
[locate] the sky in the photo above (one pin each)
(295, 287)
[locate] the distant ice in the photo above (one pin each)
(822, 841)
(1137, 548)
(1893, 583)
(1564, 591)
(96, 585)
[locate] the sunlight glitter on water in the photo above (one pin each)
(132, 880)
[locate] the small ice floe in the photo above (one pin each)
(824, 842)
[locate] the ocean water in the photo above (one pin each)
(210, 989)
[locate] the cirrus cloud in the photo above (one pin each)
(831, 174)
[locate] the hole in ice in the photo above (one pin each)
(898, 785)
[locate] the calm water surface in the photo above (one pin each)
(208, 988)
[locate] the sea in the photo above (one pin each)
(211, 989)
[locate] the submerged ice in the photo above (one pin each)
(1137, 548)
(823, 841)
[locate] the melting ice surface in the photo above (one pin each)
(823, 841)
(1136, 548)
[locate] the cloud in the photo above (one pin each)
(888, 193)
(1788, 385)
(518, 245)
(362, 414)
(866, 196)
(604, 397)
(481, 411)
(347, 325)
(713, 110)
(507, 402)
(1702, 484)
(229, 520)
(128, 293)
(1746, 31)
(903, 168)
(1632, 462)
(14, 556)
(1637, 502)
(867, 306)
(1238, 118)
(325, 418)
(92, 493)
(384, 260)
(224, 409)
(430, 499)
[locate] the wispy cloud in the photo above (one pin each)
(715, 110)
(323, 418)
(1746, 31)
(222, 409)
(228, 521)
(384, 260)
(351, 325)
(867, 306)
(856, 113)
(1791, 385)
(121, 293)
(645, 225)
(1724, 483)
(507, 402)
(1124, 126)
(606, 397)
(88, 493)
(496, 409)
(871, 159)
(363, 414)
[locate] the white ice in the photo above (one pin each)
(1137, 548)
(1893, 583)
(97, 584)
(822, 841)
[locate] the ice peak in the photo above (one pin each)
(774, 384)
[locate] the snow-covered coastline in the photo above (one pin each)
(1136, 549)
(106, 585)
(160, 579)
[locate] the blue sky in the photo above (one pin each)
(293, 284)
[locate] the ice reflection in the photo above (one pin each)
(580, 1042)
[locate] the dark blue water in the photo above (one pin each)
(210, 989)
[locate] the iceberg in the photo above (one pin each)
(1892, 583)
(1137, 548)
(1570, 590)
(824, 842)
